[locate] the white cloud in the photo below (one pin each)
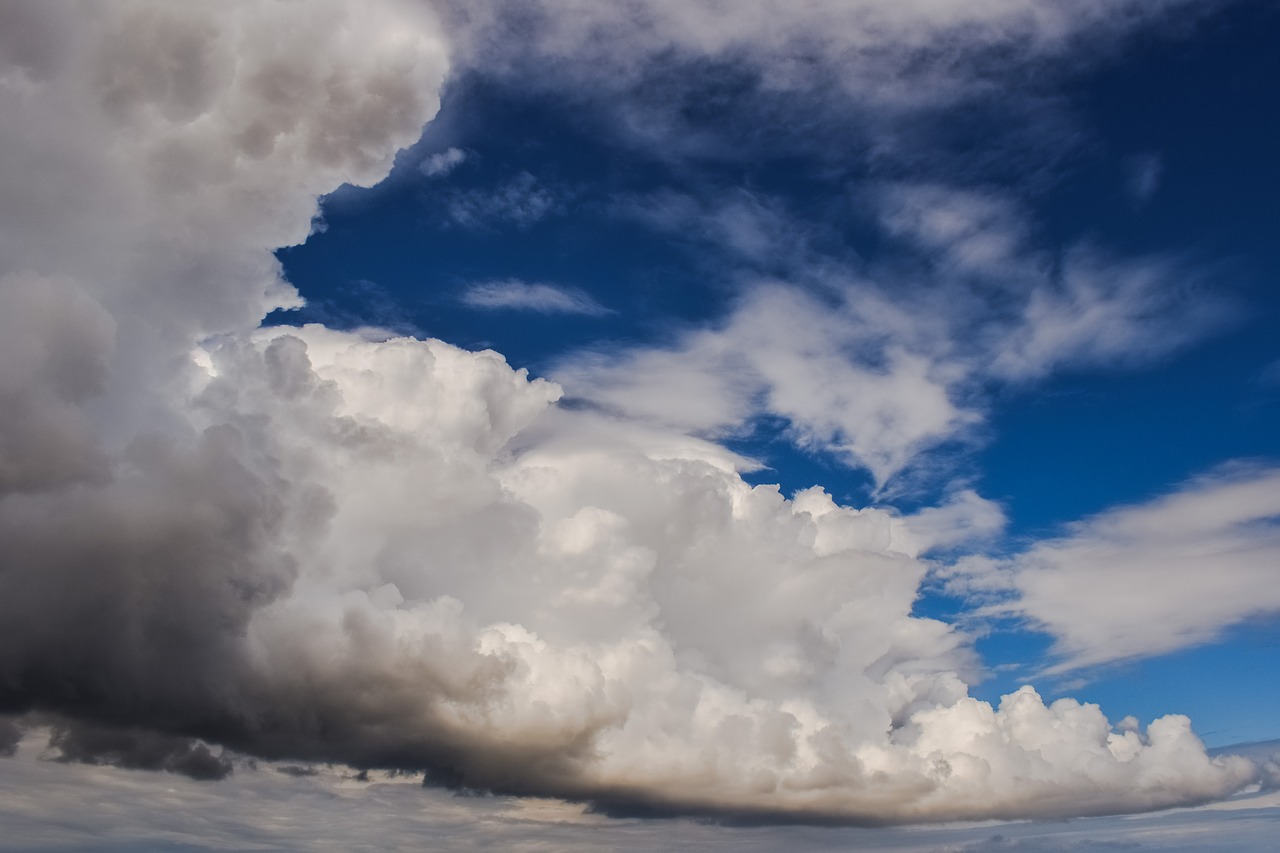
(415, 583)
(1143, 580)
(836, 372)
(531, 296)
(969, 231)
(441, 164)
(879, 363)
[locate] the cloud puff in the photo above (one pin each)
(1142, 580)
(307, 544)
(441, 164)
(525, 296)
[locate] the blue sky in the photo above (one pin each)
(669, 422)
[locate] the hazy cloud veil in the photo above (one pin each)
(315, 544)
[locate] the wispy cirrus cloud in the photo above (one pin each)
(522, 201)
(1146, 579)
(516, 295)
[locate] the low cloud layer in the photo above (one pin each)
(317, 545)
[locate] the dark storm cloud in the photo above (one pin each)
(137, 749)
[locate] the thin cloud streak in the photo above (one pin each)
(513, 294)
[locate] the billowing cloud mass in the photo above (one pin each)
(312, 544)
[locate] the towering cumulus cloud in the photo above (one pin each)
(313, 544)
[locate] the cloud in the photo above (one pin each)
(518, 295)
(441, 164)
(314, 545)
(1143, 580)
(836, 372)
(44, 806)
(879, 362)
(10, 737)
(879, 51)
(752, 229)
(686, 81)
(522, 201)
(138, 750)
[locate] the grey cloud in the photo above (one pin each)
(135, 749)
(10, 737)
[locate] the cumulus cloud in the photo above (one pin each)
(531, 296)
(306, 544)
(1142, 580)
(410, 592)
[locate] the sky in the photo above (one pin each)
(645, 424)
